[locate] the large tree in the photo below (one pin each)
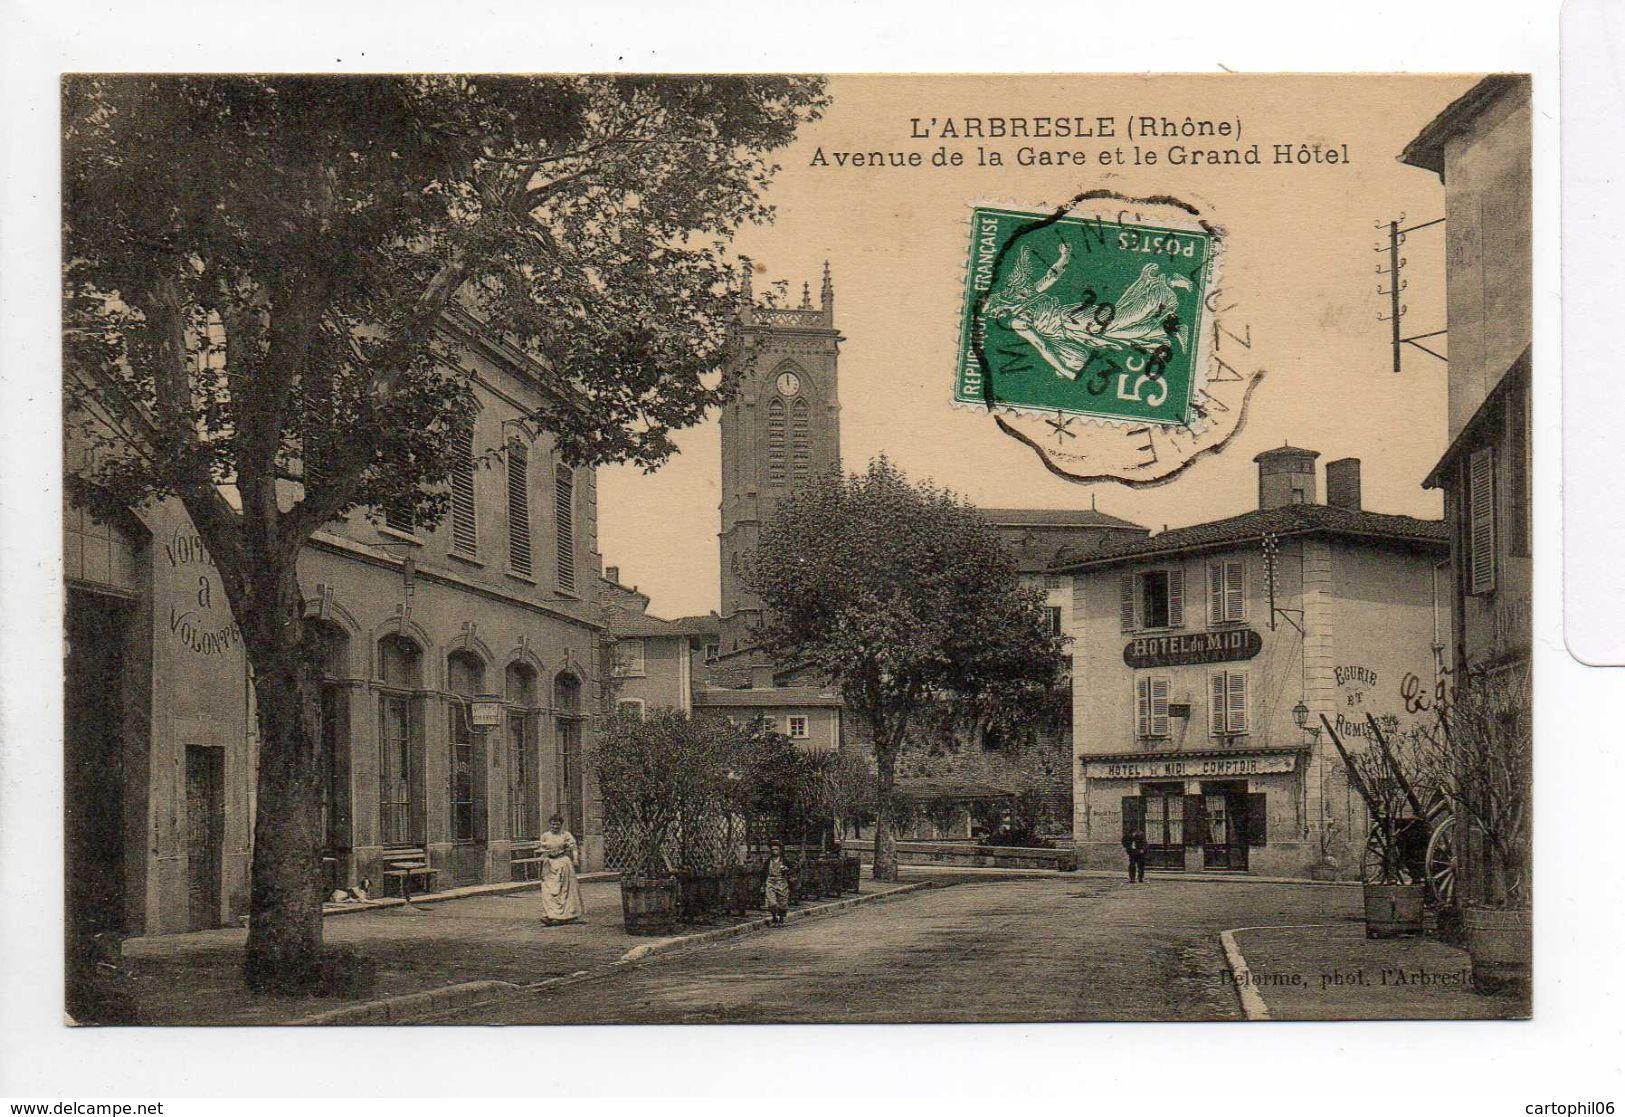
(902, 595)
(265, 277)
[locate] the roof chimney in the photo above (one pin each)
(613, 574)
(1286, 475)
(1343, 484)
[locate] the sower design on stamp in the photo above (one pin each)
(1091, 334)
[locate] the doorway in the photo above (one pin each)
(1164, 808)
(1225, 807)
(205, 834)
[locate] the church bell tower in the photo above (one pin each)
(781, 428)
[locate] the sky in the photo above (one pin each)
(1300, 269)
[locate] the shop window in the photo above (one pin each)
(1151, 706)
(798, 727)
(1153, 599)
(1226, 592)
(1227, 707)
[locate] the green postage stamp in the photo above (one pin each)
(1086, 314)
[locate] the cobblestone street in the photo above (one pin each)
(1008, 950)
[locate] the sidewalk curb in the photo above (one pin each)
(1218, 878)
(471, 892)
(1252, 1005)
(420, 1007)
(1252, 1002)
(751, 926)
(411, 1006)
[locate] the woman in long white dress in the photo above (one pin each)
(561, 895)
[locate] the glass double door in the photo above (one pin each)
(1224, 844)
(1164, 809)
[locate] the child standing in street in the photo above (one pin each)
(777, 885)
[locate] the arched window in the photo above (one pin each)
(524, 774)
(800, 441)
(330, 646)
(465, 678)
(567, 726)
(400, 743)
(775, 441)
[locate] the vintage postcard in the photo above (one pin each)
(565, 549)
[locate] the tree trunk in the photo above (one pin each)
(885, 836)
(285, 903)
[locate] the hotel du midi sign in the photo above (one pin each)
(1187, 648)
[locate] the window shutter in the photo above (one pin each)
(1176, 597)
(464, 524)
(800, 442)
(1133, 815)
(1216, 705)
(1237, 718)
(519, 541)
(1235, 592)
(1159, 706)
(564, 518)
(1481, 512)
(480, 785)
(1125, 598)
(1195, 821)
(1142, 706)
(1215, 593)
(1257, 820)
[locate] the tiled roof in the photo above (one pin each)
(1427, 149)
(624, 622)
(1291, 519)
(766, 696)
(708, 625)
(1052, 517)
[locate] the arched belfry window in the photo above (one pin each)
(775, 441)
(800, 441)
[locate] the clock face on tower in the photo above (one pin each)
(789, 383)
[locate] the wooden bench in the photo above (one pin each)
(526, 861)
(406, 865)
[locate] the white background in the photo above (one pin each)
(1572, 1052)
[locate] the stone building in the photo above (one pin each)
(1479, 146)
(1205, 657)
(459, 681)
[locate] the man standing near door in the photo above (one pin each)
(1134, 846)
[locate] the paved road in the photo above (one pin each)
(1010, 950)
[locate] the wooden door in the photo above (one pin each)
(205, 834)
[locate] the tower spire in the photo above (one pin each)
(746, 294)
(806, 296)
(827, 296)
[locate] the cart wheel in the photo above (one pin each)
(1371, 861)
(1441, 861)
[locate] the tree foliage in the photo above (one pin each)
(902, 595)
(271, 283)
